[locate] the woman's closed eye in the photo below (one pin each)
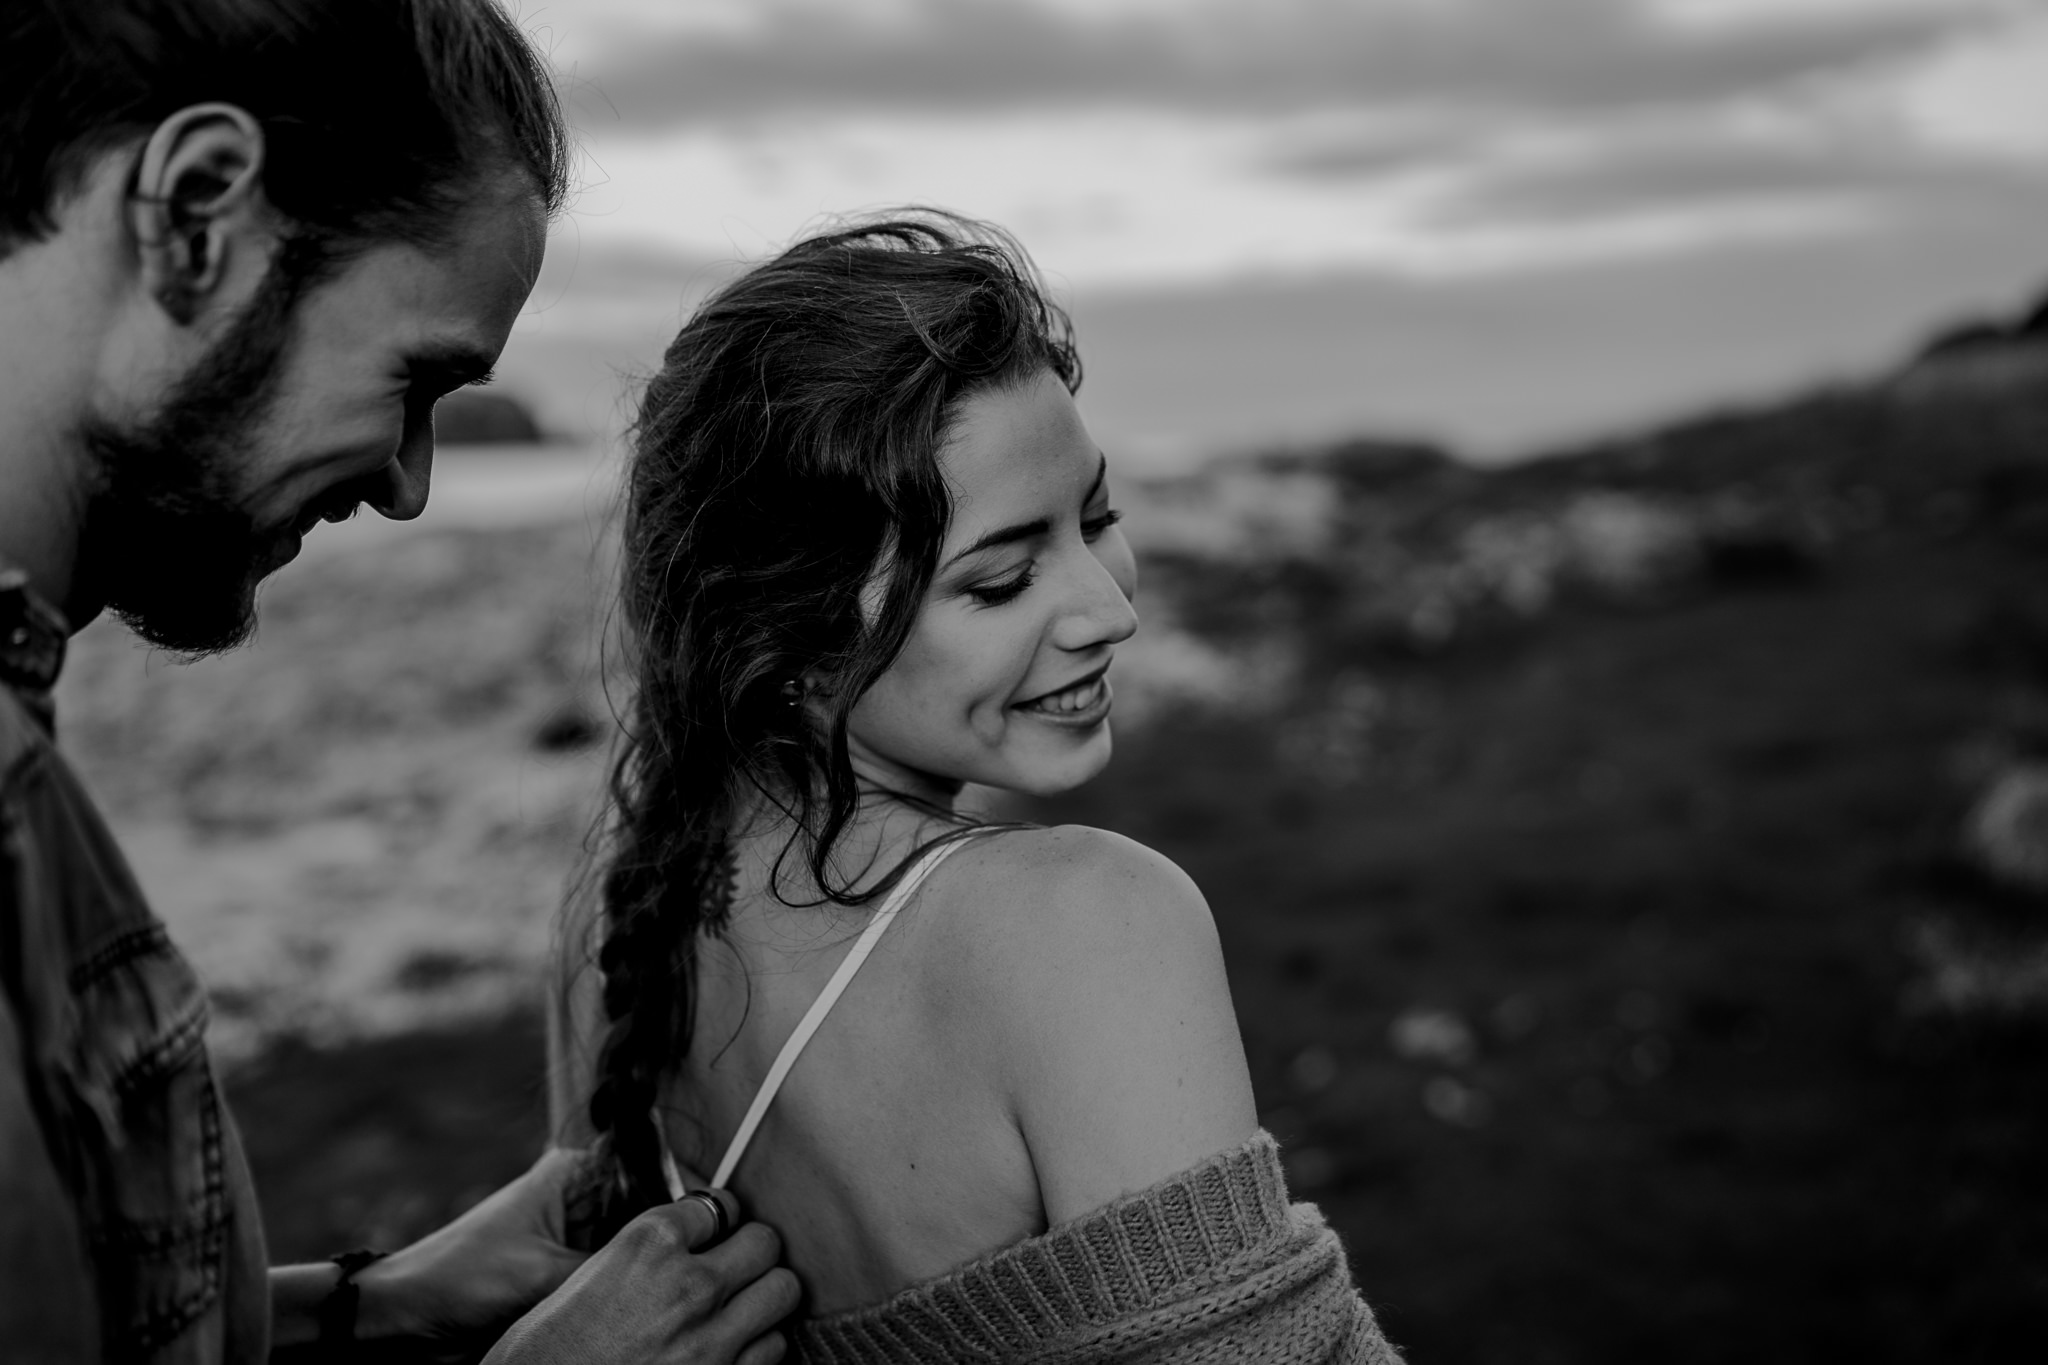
(996, 592)
(1002, 590)
(1093, 527)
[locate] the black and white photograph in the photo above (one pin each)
(1330, 682)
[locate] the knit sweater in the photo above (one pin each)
(1212, 1264)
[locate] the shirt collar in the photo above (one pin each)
(33, 636)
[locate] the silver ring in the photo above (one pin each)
(720, 1223)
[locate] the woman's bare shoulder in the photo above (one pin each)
(1064, 871)
(1092, 966)
(1039, 900)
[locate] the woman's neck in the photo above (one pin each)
(881, 776)
(885, 829)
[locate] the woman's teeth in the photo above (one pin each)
(1079, 697)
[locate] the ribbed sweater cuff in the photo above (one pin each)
(1138, 1253)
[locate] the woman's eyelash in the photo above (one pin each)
(995, 594)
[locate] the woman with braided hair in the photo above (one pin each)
(985, 1080)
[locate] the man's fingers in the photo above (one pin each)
(743, 1257)
(748, 1316)
(763, 1350)
(765, 1302)
(688, 1219)
(727, 1200)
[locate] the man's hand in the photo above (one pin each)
(645, 1299)
(461, 1286)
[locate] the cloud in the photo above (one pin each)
(1137, 198)
(1270, 55)
(1985, 94)
(1505, 363)
(1139, 141)
(1722, 15)
(1396, 154)
(1845, 188)
(1140, 196)
(1498, 362)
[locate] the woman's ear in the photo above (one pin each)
(198, 208)
(815, 692)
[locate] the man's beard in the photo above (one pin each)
(166, 543)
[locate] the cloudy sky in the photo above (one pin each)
(1502, 223)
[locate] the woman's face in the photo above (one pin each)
(1002, 680)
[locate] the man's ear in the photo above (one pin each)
(198, 204)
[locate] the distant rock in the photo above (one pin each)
(2008, 829)
(1981, 369)
(479, 417)
(1980, 355)
(2035, 324)
(1968, 338)
(1371, 463)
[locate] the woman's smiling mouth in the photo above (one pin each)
(1083, 703)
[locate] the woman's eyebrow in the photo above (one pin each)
(1005, 535)
(1025, 530)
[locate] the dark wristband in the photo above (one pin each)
(337, 1313)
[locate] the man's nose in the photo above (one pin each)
(402, 485)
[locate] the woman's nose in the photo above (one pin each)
(1100, 612)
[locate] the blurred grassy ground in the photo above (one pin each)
(1580, 946)
(1662, 867)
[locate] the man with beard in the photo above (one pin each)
(244, 247)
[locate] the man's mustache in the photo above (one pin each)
(340, 503)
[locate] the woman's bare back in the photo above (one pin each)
(888, 1155)
(924, 1125)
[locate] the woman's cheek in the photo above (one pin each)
(988, 712)
(987, 674)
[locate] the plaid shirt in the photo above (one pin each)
(128, 1224)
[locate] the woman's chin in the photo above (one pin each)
(1052, 776)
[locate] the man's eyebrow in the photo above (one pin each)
(1005, 535)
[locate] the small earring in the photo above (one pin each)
(793, 692)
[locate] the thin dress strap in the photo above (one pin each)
(822, 1006)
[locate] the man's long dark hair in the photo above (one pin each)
(380, 116)
(785, 508)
